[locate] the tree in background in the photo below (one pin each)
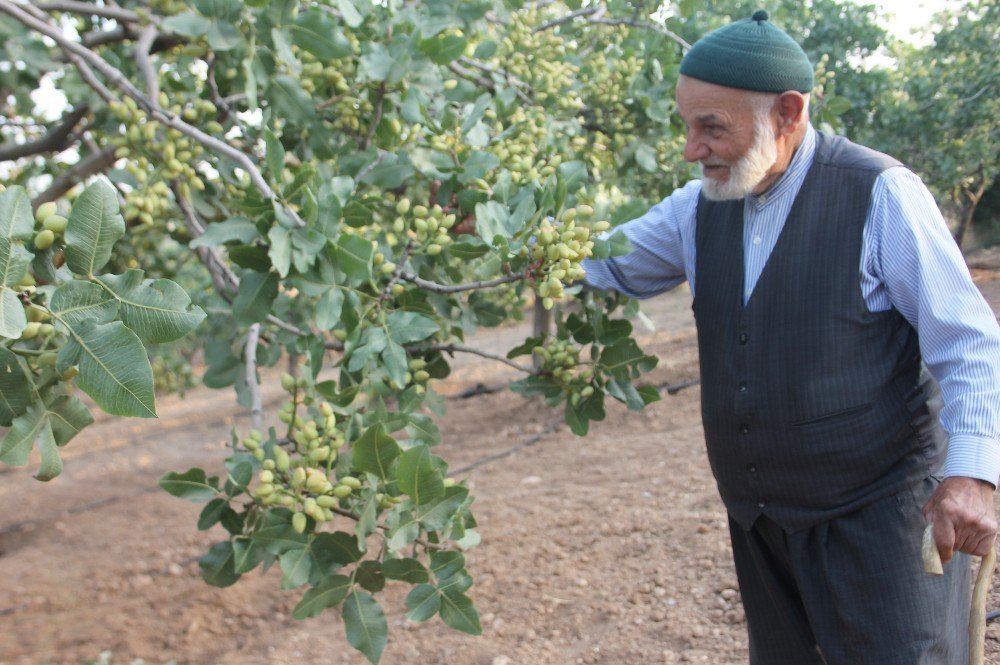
(942, 114)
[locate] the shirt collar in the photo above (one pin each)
(791, 179)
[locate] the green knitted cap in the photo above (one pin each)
(751, 54)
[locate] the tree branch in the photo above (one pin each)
(455, 288)
(86, 167)
(56, 140)
(458, 348)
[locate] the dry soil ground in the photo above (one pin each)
(609, 549)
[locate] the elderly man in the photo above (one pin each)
(825, 281)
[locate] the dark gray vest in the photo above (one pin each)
(813, 406)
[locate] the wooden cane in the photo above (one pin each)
(977, 614)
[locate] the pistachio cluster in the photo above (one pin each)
(158, 155)
(561, 359)
(427, 227)
(559, 248)
(301, 475)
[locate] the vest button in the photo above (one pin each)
(744, 337)
(761, 503)
(752, 468)
(745, 428)
(743, 386)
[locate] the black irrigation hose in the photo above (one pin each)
(990, 616)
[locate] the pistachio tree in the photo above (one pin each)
(360, 186)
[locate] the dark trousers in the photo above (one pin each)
(853, 590)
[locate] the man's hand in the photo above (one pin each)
(963, 515)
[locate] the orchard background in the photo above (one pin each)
(343, 211)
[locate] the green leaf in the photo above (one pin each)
(21, 436)
(375, 452)
(354, 256)
(406, 327)
(14, 392)
(192, 485)
(280, 251)
(211, 513)
(247, 555)
(446, 564)
(188, 24)
(327, 594)
(12, 316)
(256, 295)
(51, 464)
(369, 575)
(444, 48)
(14, 261)
(157, 310)
(67, 416)
(838, 105)
(350, 13)
(296, 565)
(407, 570)
(435, 516)
(422, 428)
(239, 229)
(316, 32)
(365, 625)
(290, 101)
(94, 226)
(492, 221)
(390, 173)
(424, 602)
(280, 538)
(418, 477)
(274, 153)
(217, 566)
(115, 371)
(458, 613)
(78, 302)
(16, 220)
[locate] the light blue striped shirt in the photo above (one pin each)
(908, 261)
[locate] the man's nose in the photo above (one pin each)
(695, 150)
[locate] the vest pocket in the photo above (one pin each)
(834, 416)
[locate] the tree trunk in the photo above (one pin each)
(968, 211)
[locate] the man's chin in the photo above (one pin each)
(719, 191)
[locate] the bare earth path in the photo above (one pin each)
(609, 549)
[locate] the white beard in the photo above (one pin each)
(749, 170)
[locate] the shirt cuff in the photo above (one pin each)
(973, 456)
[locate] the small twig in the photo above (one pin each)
(645, 25)
(456, 288)
(256, 411)
(142, 47)
(458, 348)
(89, 9)
(572, 16)
(377, 118)
(397, 273)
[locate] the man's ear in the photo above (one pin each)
(791, 111)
